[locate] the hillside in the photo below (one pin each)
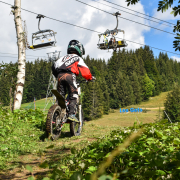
(93, 130)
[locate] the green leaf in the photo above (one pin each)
(124, 171)
(159, 134)
(44, 165)
(76, 176)
(73, 151)
(31, 178)
(64, 167)
(175, 127)
(171, 148)
(164, 137)
(8, 127)
(172, 12)
(29, 168)
(92, 168)
(160, 173)
(87, 177)
(50, 147)
(16, 111)
(176, 141)
(108, 154)
(46, 178)
(105, 177)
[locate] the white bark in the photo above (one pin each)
(21, 55)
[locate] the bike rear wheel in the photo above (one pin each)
(53, 122)
(76, 128)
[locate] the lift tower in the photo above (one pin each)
(52, 57)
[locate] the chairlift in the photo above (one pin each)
(42, 38)
(113, 43)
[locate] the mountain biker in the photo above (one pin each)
(66, 69)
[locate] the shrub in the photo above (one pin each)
(20, 133)
(172, 105)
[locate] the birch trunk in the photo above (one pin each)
(21, 54)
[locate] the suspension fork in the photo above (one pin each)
(80, 105)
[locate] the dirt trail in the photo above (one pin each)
(156, 108)
(21, 173)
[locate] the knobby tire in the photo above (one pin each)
(52, 118)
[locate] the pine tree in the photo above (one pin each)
(120, 90)
(136, 88)
(172, 104)
(104, 91)
(148, 87)
(128, 92)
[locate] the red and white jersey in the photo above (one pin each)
(71, 63)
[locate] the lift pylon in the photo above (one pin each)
(50, 98)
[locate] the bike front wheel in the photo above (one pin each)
(53, 122)
(76, 128)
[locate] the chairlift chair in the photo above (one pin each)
(43, 38)
(112, 44)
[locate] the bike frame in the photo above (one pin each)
(63, 104)
(79, 103)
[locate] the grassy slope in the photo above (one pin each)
(92, 131)
(154, 107)
(39, 104)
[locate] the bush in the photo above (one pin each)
(172, 105)
(155, 155)
(20, 133)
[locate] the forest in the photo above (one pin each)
(127, 78)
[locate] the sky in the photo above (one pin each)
(74, 12)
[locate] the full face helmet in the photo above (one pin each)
(75, 46)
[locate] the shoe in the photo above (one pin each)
(73, 118)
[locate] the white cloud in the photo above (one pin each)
(72, 12)
(165, 16)
(175, 58)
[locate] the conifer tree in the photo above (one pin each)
(120, 90)
(148, 87)
(105, 99)
(87, 101)
(128, 92)
(172, 104)
(136, 88)
(96, 108)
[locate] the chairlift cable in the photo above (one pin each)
(131, 13)
(126, 18)
(94, 30)
(26, 55)
(140, 12)
(14, 57)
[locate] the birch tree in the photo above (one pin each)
(21, 54)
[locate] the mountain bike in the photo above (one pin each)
(58, 114)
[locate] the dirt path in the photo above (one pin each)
(156, 108)
(34, 160)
